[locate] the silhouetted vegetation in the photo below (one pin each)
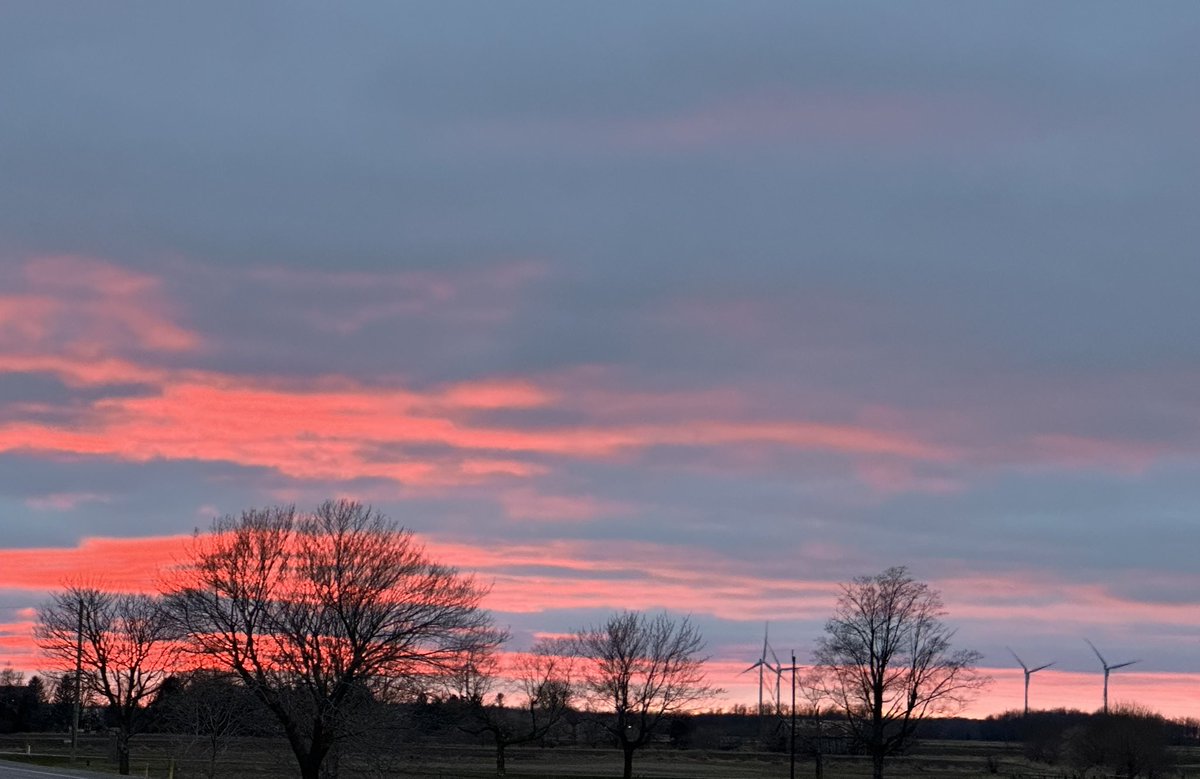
(644, 670)
(332, 632)
(125, 646)
(323, 615)
(886, 663)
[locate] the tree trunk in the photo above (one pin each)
(312, 761)
(123, 754)
(310, 768)
(877, 741)
(499, 758)
(628, 771)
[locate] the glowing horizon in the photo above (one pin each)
(144, 565)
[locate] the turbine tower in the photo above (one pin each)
(778, 669)
(1107, 669)
(1028, 673)
(761, 665)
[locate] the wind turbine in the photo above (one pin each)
(1107, 669)
(778, 669)
(1028, 673)
(762, 665)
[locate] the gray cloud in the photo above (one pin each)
(973, 225)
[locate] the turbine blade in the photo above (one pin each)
(751, 668)
(1040, 667)
(1103, 662)
(1122, 665)
(1020, 662)
(775, 657)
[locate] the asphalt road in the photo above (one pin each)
(19, 771)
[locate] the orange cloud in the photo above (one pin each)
(120, 564)
(345, 431)
(76, 318)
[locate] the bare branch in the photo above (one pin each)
(887, 663)
(319, 613)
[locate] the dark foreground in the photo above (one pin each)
(159, 756)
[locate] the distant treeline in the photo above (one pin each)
(1013, 726)
(46, 704)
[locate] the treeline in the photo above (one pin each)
(1014, 726)
(334, 628)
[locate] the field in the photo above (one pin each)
(153, 756)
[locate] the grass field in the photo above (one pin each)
(153, 756)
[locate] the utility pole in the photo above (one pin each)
(792, 768)
(78, 678)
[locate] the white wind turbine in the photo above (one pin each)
(1028, 673)
(1107, 669)
(763, 666)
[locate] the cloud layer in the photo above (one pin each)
(660, 307)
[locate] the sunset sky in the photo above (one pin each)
(684, 305)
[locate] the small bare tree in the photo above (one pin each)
(642, 669)
(519, 704)
(126, 647)
(318, 614)
(888, 662)
(207, 711)
(813, 701)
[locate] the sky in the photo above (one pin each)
(706, 307)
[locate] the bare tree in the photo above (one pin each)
(319, 614)
(642, 669)
(888, 662)
(206, 711)
(126, 647)
(519, 704)
(811, 689)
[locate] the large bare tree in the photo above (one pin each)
(125, 645)
(888, 662)
(642, 669)
(320, 614)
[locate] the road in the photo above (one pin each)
(19, 771)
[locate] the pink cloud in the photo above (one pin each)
(1054, 604)
(75, 318)
(530, 505)
(96, 306)
(337, 432)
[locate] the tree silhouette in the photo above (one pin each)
(642, 669)
(320, 614)
(887, 661)
(519, 704)
(127, 649)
